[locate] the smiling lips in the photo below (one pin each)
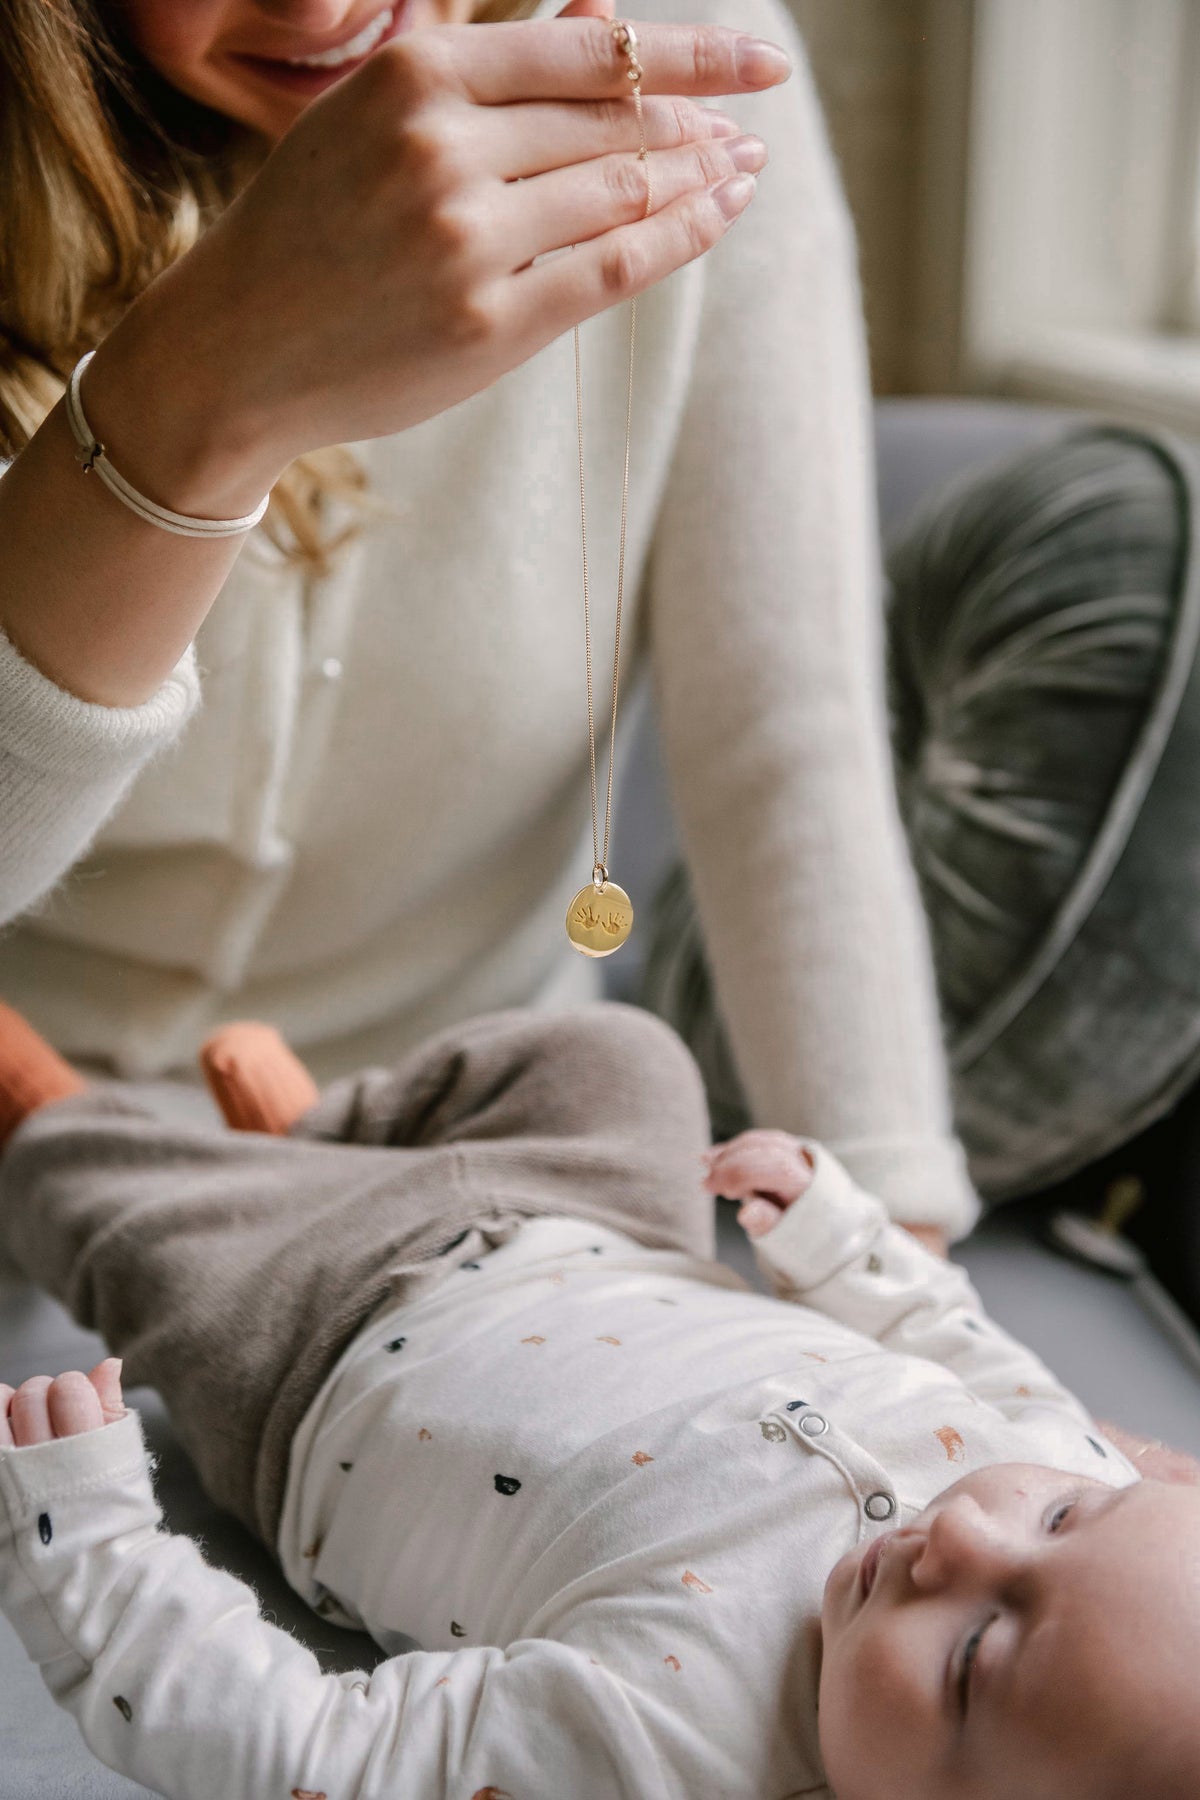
(310, 75)
(363, 42)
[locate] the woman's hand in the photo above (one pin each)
(379, 268)
(1153, 1460)
(765, 1170)
(54, 1406)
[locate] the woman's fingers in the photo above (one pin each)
(368, 244)
(541, 59)
(574, 285)
(6, 1436)
(570, 206)
(519, 141)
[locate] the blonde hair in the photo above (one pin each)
(107, 176)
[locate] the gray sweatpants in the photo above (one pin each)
(230, 1269)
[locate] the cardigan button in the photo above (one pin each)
(879, 1506)
(332, 668)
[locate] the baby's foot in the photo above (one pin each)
(32, 1074)
(256, 1080)
(766, 1170)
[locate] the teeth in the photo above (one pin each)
(366, 40)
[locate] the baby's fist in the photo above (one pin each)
(47, 1406)
(766, 1170)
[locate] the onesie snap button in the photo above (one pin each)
(331, 668)
(813, 1424)
(879, 1506)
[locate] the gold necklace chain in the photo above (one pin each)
(600, 917)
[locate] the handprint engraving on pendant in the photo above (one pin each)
(599, 919)
(590, 920)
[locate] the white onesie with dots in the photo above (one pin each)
(601, 1486)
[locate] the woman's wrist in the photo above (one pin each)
(170, 419)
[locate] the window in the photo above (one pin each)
(1082, 276)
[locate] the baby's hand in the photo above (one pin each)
(770, 1169)
(767, 1170)
(54, 1406)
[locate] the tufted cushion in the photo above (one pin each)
(1043, 619)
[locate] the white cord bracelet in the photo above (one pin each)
(91, 454)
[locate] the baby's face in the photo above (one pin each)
(1031, 1633)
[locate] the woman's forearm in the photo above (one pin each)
(98, 600)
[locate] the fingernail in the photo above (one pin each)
(748, 153)
(720, 124)
(732, 194)
(758, 60)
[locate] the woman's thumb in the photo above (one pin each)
(586, 9)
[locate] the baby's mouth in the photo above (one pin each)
(869, 1566)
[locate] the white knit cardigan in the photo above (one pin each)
(360, 811)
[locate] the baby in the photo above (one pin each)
(660, 1536)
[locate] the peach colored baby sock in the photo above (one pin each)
(258, 1083)
(31, 1073)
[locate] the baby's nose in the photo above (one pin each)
(963, 1540)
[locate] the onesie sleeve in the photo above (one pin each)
(766, 626)
(836, 1250)
(177, 1681)
(65, 765)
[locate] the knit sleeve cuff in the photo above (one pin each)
(49, 729)
(921, 1180)
(34, 1476)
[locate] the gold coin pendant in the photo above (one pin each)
(599, 918)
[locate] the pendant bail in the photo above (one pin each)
(600, 875)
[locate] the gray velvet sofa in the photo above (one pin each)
(1088, 1326)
